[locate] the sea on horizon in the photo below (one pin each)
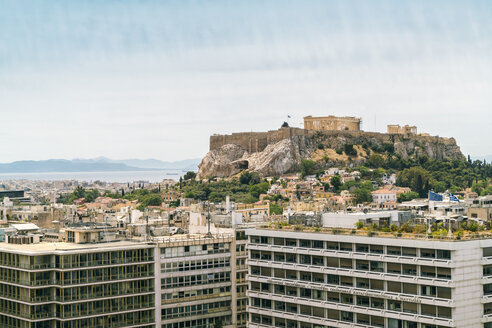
(109, 176)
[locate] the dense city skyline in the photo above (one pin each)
(155, 79)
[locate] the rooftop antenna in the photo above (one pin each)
(209, 234)
(147, 228)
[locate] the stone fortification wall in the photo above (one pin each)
(405, 144)
(255, 142)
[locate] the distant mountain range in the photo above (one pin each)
(99, 164)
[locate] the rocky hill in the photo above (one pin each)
(285, 156)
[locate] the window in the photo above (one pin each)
(333, 279)
(362, 283)
(427, 271)
(254, 240)
(279, 289)
(363, 319)
(377, 266)
(347, 316)
(410, 289)
(363, 301)
(346, 263)
(333, 297)
(428, 290)
(443, 254)
(318, 244)
(393, 250)
(362, 248)
(410, 307)
(266, 303)
(291, 242)
(347, 247)
(487, 270)
(487, 252)
(394, 305)
(304, 243)
(317, 260)
(409, 269)
(347, 298)
(392, 267)
(346, 281)
(428, 253)
(279, 241)
(362, 265)
(445, 312)
(409, 251)
(377, 303)
(291, 307)
(305, 259)
(279, 306)
(290, 258)
(444, 292)
(332, 245)
(443, 273)
(377, 284)
(429, 310)
(394, 287)
(333, 262)
(377, 249)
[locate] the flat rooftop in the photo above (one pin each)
(47, 247)
(368, 232)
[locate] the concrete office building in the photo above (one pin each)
(319, 279)
(88, 281)
(195, 281)
(68, 285)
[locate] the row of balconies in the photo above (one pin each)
(352, 255)
(349, 308)
(80, 298)
(355, 291)
(354, 273)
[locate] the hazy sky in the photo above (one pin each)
(142, 79)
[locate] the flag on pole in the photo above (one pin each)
(435, 196)
(453, 198)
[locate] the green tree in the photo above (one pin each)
(308, 167)
(190, 175)
(349, 150)
(417, 178)
(258, 189)
(275, 209)
(375, 161)
(407, 196)
(361, 195)
(336, 182)
(79, 192)
(151, 200)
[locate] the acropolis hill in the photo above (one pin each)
(281, 151)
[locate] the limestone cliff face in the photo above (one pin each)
(285, 156)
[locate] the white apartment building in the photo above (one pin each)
(382, 196)
(319, 280)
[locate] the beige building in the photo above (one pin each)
(401, 129)
(332, 123)
(481, 208)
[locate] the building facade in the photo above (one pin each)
(196, 281)
(63, 285)
(401, 129)
(321, 280)
(332, 123)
